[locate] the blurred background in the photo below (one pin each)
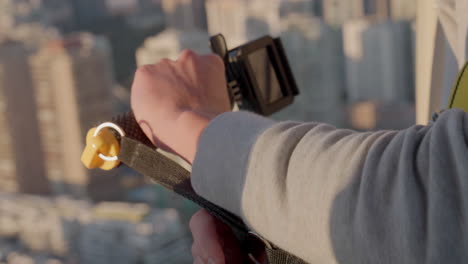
(66, 65)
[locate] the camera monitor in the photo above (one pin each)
(258, 73)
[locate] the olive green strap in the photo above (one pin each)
(170, 175)
(276, 256)
(459, 96)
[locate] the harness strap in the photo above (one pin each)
(459, 96)
(276, 256)
(170, 175)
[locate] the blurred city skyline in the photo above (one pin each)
(66, 65)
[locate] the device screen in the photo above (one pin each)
(265, 74)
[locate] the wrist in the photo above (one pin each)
(190, 128)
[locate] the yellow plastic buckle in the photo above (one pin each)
(102, 147)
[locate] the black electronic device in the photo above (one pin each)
(258, 74)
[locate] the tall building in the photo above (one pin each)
(390, 50)
(379, 8)
(185, 14)
(6, 16)
(306, 7)
(15, 12)
(229, 18)
(379, 61)
(394, 9)
(169, 43)
(337, 12)
(241, 21)
(315, 53)
(122, 7)
(77, 231)
(403, 9)
(57, 13)
(263, 18)
(73, 78)
(33, 35)
(21, 164)
(353, 45)
(88, 11)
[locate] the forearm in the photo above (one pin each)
(280, 178)
(335, 195)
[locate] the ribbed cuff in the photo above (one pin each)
(221, 161)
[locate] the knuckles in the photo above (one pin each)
(165, 61)
(151, 69)
(187, 55)
(144, 71)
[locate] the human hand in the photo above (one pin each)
(173, 101)
(215, 243)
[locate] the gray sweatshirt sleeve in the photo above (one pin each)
(332, 195)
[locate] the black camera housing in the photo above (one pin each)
(258, 74)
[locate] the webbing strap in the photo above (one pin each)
(170, 175)
(137, 152)
(459, 96)
(276, 256)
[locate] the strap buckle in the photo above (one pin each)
(102, 147)
(116, 128)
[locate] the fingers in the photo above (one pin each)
(207, 245)
(214, 241)
(186, 55)
(191, 56)
(146, 72)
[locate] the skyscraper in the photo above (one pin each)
(306, 7)
(88, 11)
(337, 12)
(403, 9)
(122, 7)
(394, 9)
(14, 12)
(263, 18)
(379, 61)
(229, 18)
(6, 16)
(57, 13)
(382, 9)
(241, 21)
(315, 53)
(185, 14)
(73, 80)
(33, 35)
(169, 43)
(356, 77)
(391, 60)
(21, 164)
